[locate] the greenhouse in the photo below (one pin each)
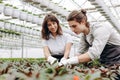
(59, 39)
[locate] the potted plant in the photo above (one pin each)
(22, 29)
(29, 17)
(8, 10)
(7, 25)
(16, 13)
(1, 7)
(23, 15)
(18, 28)
(13, 26)
(38, 32)
(27, 29)
(31, 31)
(2, 23)
(51, 5)
(36, 19)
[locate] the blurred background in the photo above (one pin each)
(20, 22)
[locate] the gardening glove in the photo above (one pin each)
(51, 59)
(73, 60)
(62, 61)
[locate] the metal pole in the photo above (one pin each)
(11, 53)
(22, 46)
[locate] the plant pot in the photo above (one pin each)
(29, 18)
(16, 14)
(36, 20)
(36, 1)
(7, 25)
(13, 27)
(27, 30)
(34, 32)
(23, 16)
(31, 31)
(8, 11)
(22, 29)
(1, 8)
(2, 24)
(38, 33)
(51, 6)
(18, 28)
(42, 3)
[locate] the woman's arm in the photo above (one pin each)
(67, 50)
(46, 51)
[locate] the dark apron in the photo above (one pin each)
(110, 55)
(58, 57)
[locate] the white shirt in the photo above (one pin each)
(98, 37)
(57, 45)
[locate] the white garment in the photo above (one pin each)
(99, 36)
(57, 45)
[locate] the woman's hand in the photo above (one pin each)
(51, 60)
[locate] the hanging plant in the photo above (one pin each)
(2, 23)
(1, 1)
(22, 29)
(23, 15)
(31, 31)
(1, 7)
(36, 19)
(13, 26)
(8, 10)
(27, 0)
(7, 25)
(29, 17)
(18, 28)
(51, 6)
(16, 13)
(27, 29)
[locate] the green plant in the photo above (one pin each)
(1, 20)
(1, 1)
(36, 14)
(40, 69)
(9, 5)
(15, 7)
(29, 12)
(24, 10)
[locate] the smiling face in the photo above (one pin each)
(52, 26)
(77, 27)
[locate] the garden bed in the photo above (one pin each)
(40, 69)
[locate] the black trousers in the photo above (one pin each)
(58, 57)
(110, 55)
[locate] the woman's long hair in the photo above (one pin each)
(45, 31)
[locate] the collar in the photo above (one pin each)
(51, 36)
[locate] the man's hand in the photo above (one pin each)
(73, 60)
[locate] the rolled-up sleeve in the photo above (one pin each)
(101, 37)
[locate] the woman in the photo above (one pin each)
(56, 45)
(97, 42)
